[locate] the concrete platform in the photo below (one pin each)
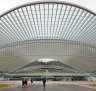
(54, 87)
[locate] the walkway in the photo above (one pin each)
(54, 87)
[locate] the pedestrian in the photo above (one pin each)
(31, 81)
(23, 83)
(26, 85)
(44, 82)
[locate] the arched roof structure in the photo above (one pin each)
(47, 29)
(48, 20)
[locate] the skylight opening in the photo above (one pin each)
(46, 60)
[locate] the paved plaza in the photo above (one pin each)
(54, 87)
(50, 86)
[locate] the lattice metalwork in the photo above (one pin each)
(47, 29)
(47, 48)
(37, 66)
(48, 20)
(48, 74)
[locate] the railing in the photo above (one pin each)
(46, 74)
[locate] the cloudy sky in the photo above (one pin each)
(8, 4)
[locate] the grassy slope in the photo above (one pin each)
(93, 85)
(4, 85)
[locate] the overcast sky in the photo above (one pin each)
(8, 4)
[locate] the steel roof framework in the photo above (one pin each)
(48, 20)
(63, 24)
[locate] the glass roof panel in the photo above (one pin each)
(48, 21)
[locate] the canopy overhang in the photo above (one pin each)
(58, 30)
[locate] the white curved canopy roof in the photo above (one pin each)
(48, 20)
(49, 23)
